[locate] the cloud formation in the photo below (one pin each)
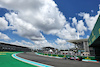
(3, 24)
(67, 32)
(32, 16)
(23, 43)
(90, 20)
(60, 41)
(4, 37)
(61, 44)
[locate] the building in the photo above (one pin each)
(11, 47)
(81, 45)
(94, 39)
(67, 52)
(49, 49)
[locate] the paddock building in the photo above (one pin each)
(94, 39)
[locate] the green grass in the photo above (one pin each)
(6, 60)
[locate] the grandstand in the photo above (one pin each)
(81, 45)
(12, 47)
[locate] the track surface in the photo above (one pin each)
(57, 62)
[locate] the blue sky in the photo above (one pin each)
(41, 23)
(71, 7)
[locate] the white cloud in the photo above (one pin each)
(81, 33)
(80, 26)
(3, 23)
(23, 43)
(34, 16)
(67, 32)
(70, 18)
(99, 7)
(62, 44)
(60, 41)
(87, 36)
(90, 20)
(74, 20)
(92, 11)
(23, 28)
(41, 44)
(77, 30)
(4, 37)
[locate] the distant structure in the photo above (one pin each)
(67, 52)
(49, 49)
(11, 47)
(81, 45)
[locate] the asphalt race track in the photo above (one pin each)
(57, 62)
